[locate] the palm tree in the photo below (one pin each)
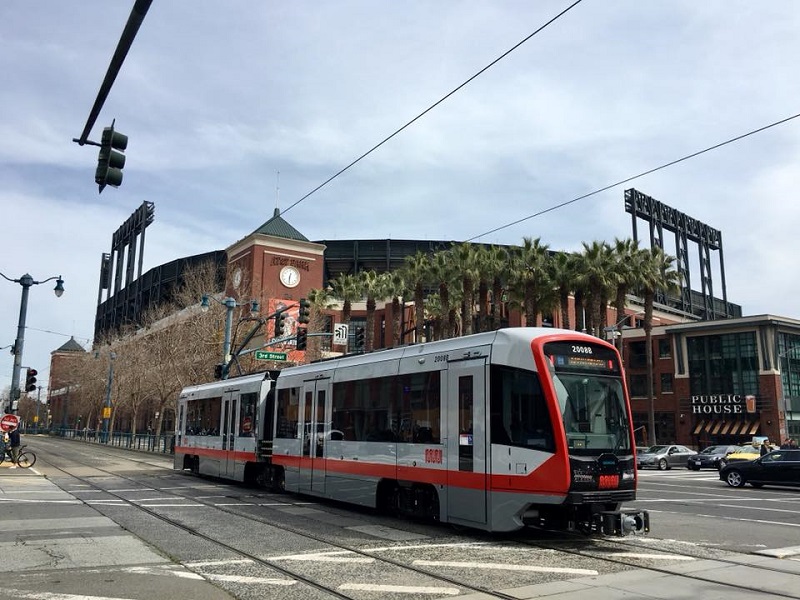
(347, 289)
(465, 258)
(442, 273)
(595, 267)
(395, 287)
(494, 272)
(529, 277)
(657, 275)
(564, 275)
(625, 272)
(371, 284)
(416, 274)
(320, 299)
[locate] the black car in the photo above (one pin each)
(710, 457)
(780, 467)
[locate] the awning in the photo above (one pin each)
(716, 428)
(726, 427)
(736, 427)
(698, 428)
(754, 428)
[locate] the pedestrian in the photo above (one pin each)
(764, 448)
(787, 444)
(14, 442)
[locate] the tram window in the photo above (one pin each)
(420, 408)
(288, 404)
(363, 409)
(202, 416)
(519, 415)
(247, 415)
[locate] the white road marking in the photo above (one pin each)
(399, 589)
(218, 563)
(426, 546)
(52, 596)
(195, 505)
(649, 556)
(21, 500)
(788, 552)
(147, 489)
(503, 567)
(336, 556)
(246, 579)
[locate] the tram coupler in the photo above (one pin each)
(624, 522)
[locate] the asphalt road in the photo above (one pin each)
(699, 508)
(98, 523)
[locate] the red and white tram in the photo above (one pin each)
(496, 431)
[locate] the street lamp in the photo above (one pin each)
(107, 405)
(229, 304)
(26, 281)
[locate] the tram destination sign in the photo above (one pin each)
(264, 355)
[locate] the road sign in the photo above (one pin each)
(9, 422)
(264, 355)
(340, 334)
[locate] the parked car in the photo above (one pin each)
(710, 457)
(745, 453)
(664, 457)
(780, 467)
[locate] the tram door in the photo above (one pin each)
(466, 440)
(312, 463)
(230, 403)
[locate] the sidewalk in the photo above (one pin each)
(54, 544)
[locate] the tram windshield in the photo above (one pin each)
(588, 383)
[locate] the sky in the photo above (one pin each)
(233, 108)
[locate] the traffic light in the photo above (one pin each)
(109, 161)
(30, 380)
(302, 338)
(360, 338)
(305, 311)
(221, 371)
(280, 323)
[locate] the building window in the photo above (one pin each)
(789, 364)
(638, 386)
(723, 364)
(666, 383)
(637, 356)
(664, 348)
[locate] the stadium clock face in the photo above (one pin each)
(290, 276)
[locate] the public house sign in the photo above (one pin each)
(723, 404)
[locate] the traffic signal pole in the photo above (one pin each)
(138, 13)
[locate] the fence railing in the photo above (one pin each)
(144, 442)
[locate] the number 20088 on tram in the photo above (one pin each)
(496, 431)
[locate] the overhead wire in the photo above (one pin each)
(629, 179)
(434, 105)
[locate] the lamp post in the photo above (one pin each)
(26, 281)
(229, 304)
(107, 404)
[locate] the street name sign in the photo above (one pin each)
(264, 355)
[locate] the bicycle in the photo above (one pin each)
(25, 460)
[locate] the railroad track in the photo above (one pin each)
(616, 553)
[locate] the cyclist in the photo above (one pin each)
(14, 443)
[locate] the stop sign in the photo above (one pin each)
(9, 422)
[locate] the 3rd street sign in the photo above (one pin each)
(264, 355)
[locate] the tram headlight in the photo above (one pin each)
(628, 475)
